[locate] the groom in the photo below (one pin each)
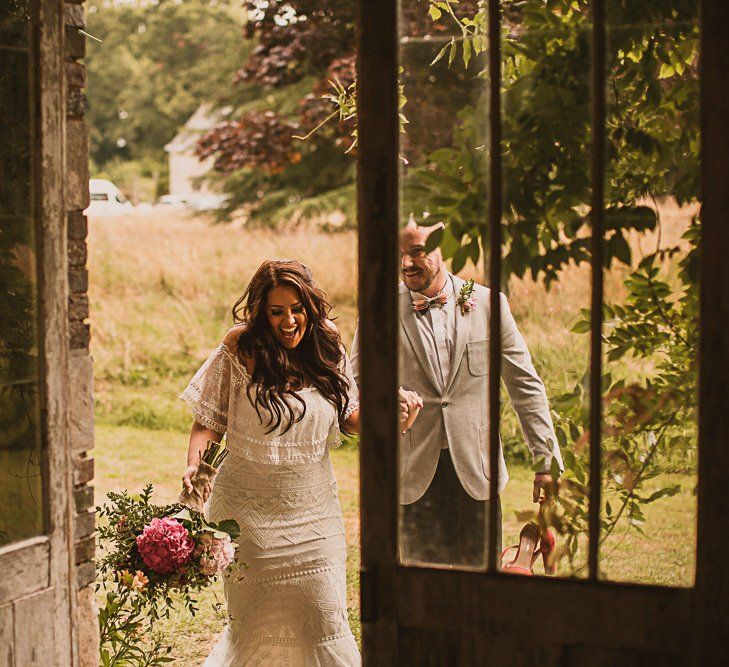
(444, 458)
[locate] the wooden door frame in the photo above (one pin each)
(687, 624)
(44, 565)
(712, 578)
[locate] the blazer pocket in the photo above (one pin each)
(477, 353)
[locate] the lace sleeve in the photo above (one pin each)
(353, 392)
(208, 392)
(334, 438)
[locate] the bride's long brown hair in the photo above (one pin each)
(319, 357)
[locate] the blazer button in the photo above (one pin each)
(444, 404)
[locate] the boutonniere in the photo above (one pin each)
(465, 300)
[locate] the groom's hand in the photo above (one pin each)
(410, 405)
(543, 480)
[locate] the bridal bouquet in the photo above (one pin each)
(162, 548)
(155, 555)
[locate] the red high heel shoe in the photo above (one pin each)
(531, 537)
(547, 545)
(526, 552)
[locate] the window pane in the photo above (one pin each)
(21, 485)
(444, 347)
(546, 105)
(649, 441)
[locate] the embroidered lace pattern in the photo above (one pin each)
(288, 605)
(218, 399)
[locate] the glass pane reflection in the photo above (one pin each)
(649, 441)
(21, 485)
(546, 135)
(546, 104)
(443, 345)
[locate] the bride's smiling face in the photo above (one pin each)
(286, 315)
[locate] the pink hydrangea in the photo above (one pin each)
(165, 545)
(215, 553)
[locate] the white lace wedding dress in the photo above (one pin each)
(289, 605)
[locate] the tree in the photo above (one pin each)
(302, 48)
(156, 63)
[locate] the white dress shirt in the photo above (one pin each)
(437, 326)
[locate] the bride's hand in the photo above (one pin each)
(187, 482)
(410, 405)
(187, 478)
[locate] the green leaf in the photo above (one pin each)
(616, 353)
(449, 243)
(434, 12)
(581, 327)
(459, 259)
(663, 493)
(554, 469)
(466, 52)
(434, 239)
(441, 53)
(666, 71)
(183, 515)
(444, 202)
(619, 248)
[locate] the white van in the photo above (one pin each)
(106, 199)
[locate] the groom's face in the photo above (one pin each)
(419, 269)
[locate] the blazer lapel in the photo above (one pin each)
(412, 331)
(463, 329)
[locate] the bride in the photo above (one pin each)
(281, 387)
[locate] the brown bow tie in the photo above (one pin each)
(424, 304)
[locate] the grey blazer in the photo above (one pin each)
(458, 416)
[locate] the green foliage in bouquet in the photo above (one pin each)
(156, 557)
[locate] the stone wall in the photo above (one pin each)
(81, 370)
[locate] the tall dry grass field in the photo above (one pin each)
(169, 280)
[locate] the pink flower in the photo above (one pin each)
(165, 545)
(140, 580)
(215, 553)
(204, 542)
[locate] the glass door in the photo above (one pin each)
(548, 151)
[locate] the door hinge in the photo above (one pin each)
(368, 595)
